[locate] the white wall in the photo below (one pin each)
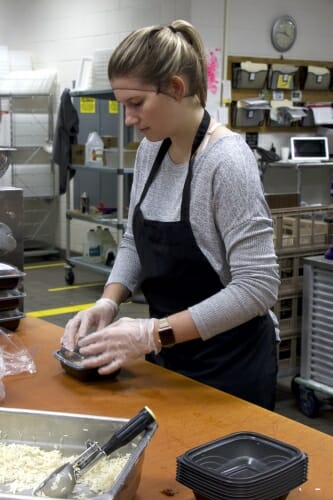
(60, 32)
(250, 23)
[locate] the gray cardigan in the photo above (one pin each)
(230, 221)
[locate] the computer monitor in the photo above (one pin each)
(312, 149)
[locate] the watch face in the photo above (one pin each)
(167, 337)
(283, 33)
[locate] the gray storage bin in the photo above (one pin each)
(282, 77)
(248, 117)
(243, 79)
(314, 81)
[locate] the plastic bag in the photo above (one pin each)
(14, 357)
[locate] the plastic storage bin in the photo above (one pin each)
(317, 78)
(249, 75)
(248, 117)
(282, 77)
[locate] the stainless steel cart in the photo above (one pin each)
(316, 370)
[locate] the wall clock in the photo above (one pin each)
(283, 33)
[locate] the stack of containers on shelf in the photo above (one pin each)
(11, 296)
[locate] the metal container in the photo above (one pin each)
(69, 432)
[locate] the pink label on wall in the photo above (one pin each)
(214, 58)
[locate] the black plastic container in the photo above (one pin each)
(242, 465)
(9, 276)
(10, 299)
(10, 319)
(72, 363)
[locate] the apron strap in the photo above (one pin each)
(202, 130)
(156, 165)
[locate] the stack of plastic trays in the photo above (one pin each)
(242, 465)
(11, 296)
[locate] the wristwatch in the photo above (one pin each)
(165, 333)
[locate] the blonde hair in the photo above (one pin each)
(154, 54)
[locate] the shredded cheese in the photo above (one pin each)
(24, 467)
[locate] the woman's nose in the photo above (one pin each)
(130, 118)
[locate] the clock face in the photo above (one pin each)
(283, 33)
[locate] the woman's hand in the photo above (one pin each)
(126, 339)
(97, 317)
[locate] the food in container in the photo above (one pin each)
(62, 481)
(68, 433)
(72, 363)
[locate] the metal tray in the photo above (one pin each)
(69, 432)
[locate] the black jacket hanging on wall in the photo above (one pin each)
(67, 128)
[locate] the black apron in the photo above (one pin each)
(177, 275)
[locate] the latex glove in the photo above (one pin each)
(97, 317)
(124, 340)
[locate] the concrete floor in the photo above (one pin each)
(51, 298)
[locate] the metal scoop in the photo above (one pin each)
(60, 483)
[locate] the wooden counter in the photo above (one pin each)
(188, 414)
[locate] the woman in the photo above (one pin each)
(199, 239)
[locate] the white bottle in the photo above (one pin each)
(99, 236)
(109, 247)
(92, 248)
(94, 150)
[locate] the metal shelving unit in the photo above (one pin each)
(31, 131)
(118, 222)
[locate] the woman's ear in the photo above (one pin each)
(177, 87)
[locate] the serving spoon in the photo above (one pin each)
(60, 483)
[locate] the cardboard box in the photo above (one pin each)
(110, 141)
(283, 200)
(112, 157)
(78, 154)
